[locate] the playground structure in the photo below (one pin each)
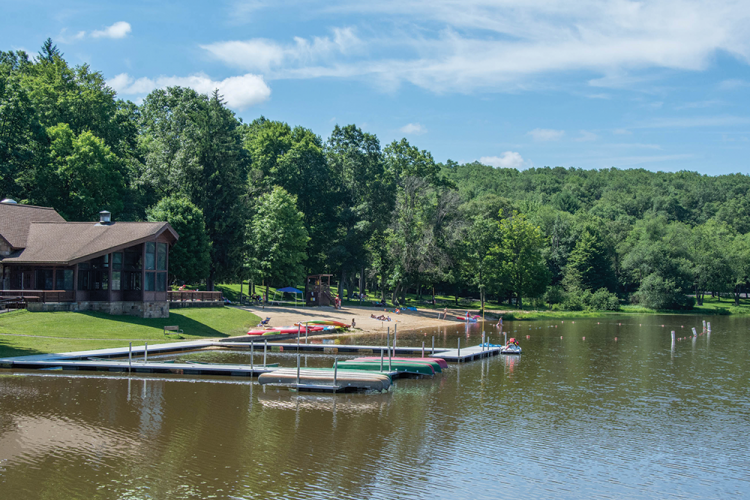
(318, 290)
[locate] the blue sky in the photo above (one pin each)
(661, 85)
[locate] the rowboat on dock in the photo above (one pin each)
(326, 379)
(394, 366)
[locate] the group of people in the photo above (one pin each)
(382, 317)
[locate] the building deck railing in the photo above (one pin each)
(193, 296)
(41, 295)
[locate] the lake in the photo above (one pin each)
(619, 414)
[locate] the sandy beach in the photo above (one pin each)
(407, 320)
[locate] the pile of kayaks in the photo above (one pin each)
(325, 322)
(290, 329)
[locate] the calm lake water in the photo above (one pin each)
(570, 418)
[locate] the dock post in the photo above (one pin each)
(395, 331)
(130, 356)
(305, 333)
(265, 349)
(709, 328)
(299, 328)
(459, 350)
(704, 326)
(423, 348)
(297, 370)
(433, 344)
(335, 370)
(695, 334)
(145, 352)
(673, 337)
(252, 356)
(381, 360)
(482, 341)
(388, 340)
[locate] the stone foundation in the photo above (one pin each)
(129, 308)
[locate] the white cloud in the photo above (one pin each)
(733, 84)
(239, 92)
(546, 134)
(413, 129)
(586, 136)
(465, 45)
(260, 54)
(509, 159)
(118, 30)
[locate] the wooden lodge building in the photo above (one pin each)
(113, 267)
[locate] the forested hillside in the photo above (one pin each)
(271, 202)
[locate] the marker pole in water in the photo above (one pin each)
(695, 334)
(459, 349)
(265, 350)
(433, 344)
(252, 355)
(297, 370)
(704, 326)
(145, 352)
(130, 356)
(381, 359)
(423, 348)
(482, 341)
(709, 328)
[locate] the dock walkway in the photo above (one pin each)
(466, 354)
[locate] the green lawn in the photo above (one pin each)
(23, 332)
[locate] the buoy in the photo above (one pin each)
(528, 336)
(584, 338)
(615, 339)
(560, 337)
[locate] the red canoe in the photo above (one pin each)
(284, 329)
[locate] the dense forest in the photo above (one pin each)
(270, 202)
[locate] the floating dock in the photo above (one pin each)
(466, 354)
(326, 380)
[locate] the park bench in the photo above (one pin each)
(172, 329)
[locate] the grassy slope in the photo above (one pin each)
(22, 332)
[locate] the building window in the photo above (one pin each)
(133, 260)
(150, 255)
(161, 282)
(131, 281)
(44, 279)
(64, 279)
(161, 256)
(116, 276)
(84, 279)
(117, 261)
(150, 285)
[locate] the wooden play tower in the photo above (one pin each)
(318, 290)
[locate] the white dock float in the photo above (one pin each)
(466, 354)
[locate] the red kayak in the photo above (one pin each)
(440, 361)
(285, 329)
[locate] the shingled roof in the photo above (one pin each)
(68, 243)
(16, 219)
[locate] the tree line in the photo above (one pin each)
(268, 202)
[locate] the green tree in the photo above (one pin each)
(480, 263)
(189, 258)
(520, 254)
(192, 146)
(277, 239)
(84, 175)
(589, 266)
